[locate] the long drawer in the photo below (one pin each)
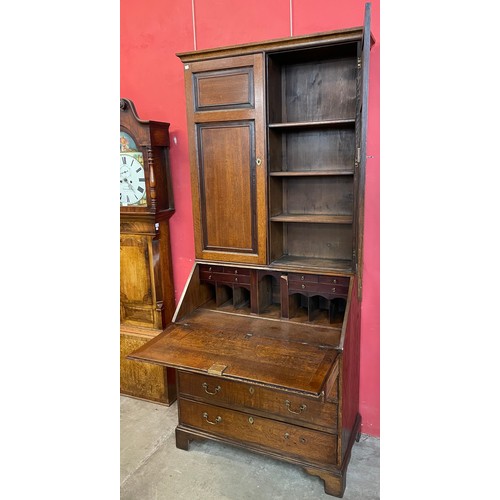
(315, 446)
(287, 405)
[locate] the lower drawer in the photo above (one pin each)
(287, 405)
(245, 428)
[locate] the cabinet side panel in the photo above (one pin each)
(350, 369)
(165, 269)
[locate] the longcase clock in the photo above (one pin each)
(147, 300)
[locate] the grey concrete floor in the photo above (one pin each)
(152, 468)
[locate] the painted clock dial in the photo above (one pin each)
(132, 178)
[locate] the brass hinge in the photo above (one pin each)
(359, 62)
(358, 155)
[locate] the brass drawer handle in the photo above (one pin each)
(205, 386)
(302, 407)
(218, 420)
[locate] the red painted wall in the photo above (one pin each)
(153, 31)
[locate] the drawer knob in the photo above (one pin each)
(302, 407)
(251, 390)
(209, 276)
(286, 435)
(333, 289)
(334, 282)
(218, 420)
(205, 386)
(236, 271)
(302, 277)
(303, 286)
(250, 419)
(210, 269)
(236, 280)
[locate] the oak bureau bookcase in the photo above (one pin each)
(265, 338)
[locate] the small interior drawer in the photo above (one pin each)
(236, 271)
(334, 280)
(333, 289)
(302, 278)
(311, 288)
(211, 269)
(231, 278)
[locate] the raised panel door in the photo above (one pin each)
(228, 167)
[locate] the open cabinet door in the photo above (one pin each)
(362, 119)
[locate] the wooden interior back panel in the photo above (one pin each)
(319, 195)
(321, 241)
(320, 90)
(331, 149)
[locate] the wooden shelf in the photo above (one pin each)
(317, 219)
(313, 124)
(300, 262)
(310, 173)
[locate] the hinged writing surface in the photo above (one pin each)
(265, 357)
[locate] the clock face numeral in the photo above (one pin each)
(132, 180)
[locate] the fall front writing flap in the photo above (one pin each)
(255, 350)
